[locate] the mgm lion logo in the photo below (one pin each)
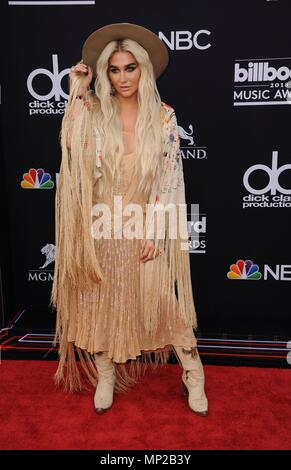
(49, 251)
(186, 135)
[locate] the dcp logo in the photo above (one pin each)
(56, 79)
(274, 172)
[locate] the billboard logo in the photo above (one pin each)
(260, 72)
(196, 225)
(262, 82)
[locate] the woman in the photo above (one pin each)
(123, 298)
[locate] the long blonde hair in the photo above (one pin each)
(148, 129)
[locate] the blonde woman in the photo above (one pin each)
(122, 287)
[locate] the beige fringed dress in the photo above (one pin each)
(112, 316)
(134, 313)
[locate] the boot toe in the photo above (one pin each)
(102, 410)
(200, 407)
(201, 413)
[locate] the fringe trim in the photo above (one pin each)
(77, 266)
(75, 376)
(76, 259)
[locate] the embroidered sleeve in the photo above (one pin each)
(173, 166)
(170, 189)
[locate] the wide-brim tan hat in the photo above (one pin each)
(156, 48)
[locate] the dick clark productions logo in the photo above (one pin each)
(53, 100)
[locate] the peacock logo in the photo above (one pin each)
(37, 179)
(244, 270)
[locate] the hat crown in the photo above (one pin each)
(155, 47)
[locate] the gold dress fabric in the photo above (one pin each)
(106, 298)
(113, 321)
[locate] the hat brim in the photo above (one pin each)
(156, 48)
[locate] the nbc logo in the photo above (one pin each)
(186, 40)
(37, 179)
(244, 270)
(247, 270)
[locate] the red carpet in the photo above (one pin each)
(249, 408)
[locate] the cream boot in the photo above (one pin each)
(193, 379)
(103, 397)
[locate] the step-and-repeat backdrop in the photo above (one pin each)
(229, 81)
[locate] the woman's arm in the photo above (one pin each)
(83, 74)
(79, 103)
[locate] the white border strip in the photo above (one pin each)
(242, 340)
(51, 2)
(244, 348)
(265, 58)
(258, 103)
(25, 339)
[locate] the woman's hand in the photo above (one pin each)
(83, 70)
(147, 251)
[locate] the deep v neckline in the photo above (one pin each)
(128, 132)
